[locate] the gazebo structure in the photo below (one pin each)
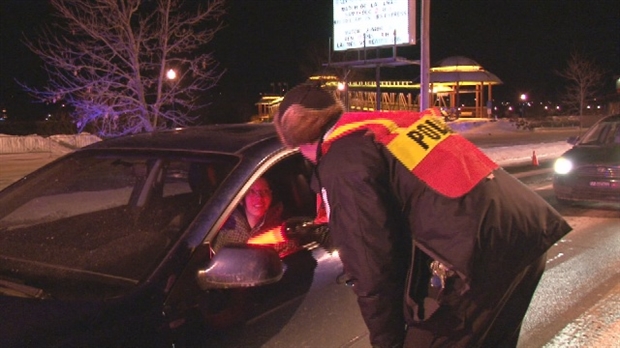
(457, 75)
(451, 78)
(267, 107)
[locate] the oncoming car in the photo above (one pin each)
(590, 170)
(111, 246)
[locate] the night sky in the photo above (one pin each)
(522, 42)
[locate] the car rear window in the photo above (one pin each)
(602, 133)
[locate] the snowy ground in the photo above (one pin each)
(512, 154)
(507, 155)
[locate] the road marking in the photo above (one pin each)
(532, 173)
(542, 188)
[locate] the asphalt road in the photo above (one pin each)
(577, 302)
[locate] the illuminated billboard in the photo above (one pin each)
(373, 23)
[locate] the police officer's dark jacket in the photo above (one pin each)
(445, 195)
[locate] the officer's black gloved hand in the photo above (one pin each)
(304, 230)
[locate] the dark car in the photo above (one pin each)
(111, 246)
(590, 170)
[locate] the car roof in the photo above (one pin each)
(225, 138)
(612, 118)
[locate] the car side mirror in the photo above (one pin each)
(241, 266)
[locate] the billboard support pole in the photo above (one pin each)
(424, 54)
(378, 82)
(329, 52)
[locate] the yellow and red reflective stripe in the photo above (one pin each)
(390, 125)
(425, 145)
(414, 143)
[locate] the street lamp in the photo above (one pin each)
(523, 102)
(171, 74)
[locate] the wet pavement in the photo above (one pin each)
(599, 326)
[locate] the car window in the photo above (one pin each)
(603, 133)
(105, 216)
(614, 134)
(291, 196)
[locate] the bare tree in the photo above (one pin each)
(109, 59)
(584, 82)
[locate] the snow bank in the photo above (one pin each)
(58, 144)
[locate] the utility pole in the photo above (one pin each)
(425, 12)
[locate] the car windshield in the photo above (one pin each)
(102, 218)
(603, 133)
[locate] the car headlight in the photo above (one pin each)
(562, 166)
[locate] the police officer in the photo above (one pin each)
(442, 246)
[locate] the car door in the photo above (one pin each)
(307, 307)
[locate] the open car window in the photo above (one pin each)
(291, 197)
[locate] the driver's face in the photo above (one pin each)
(258, 198)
